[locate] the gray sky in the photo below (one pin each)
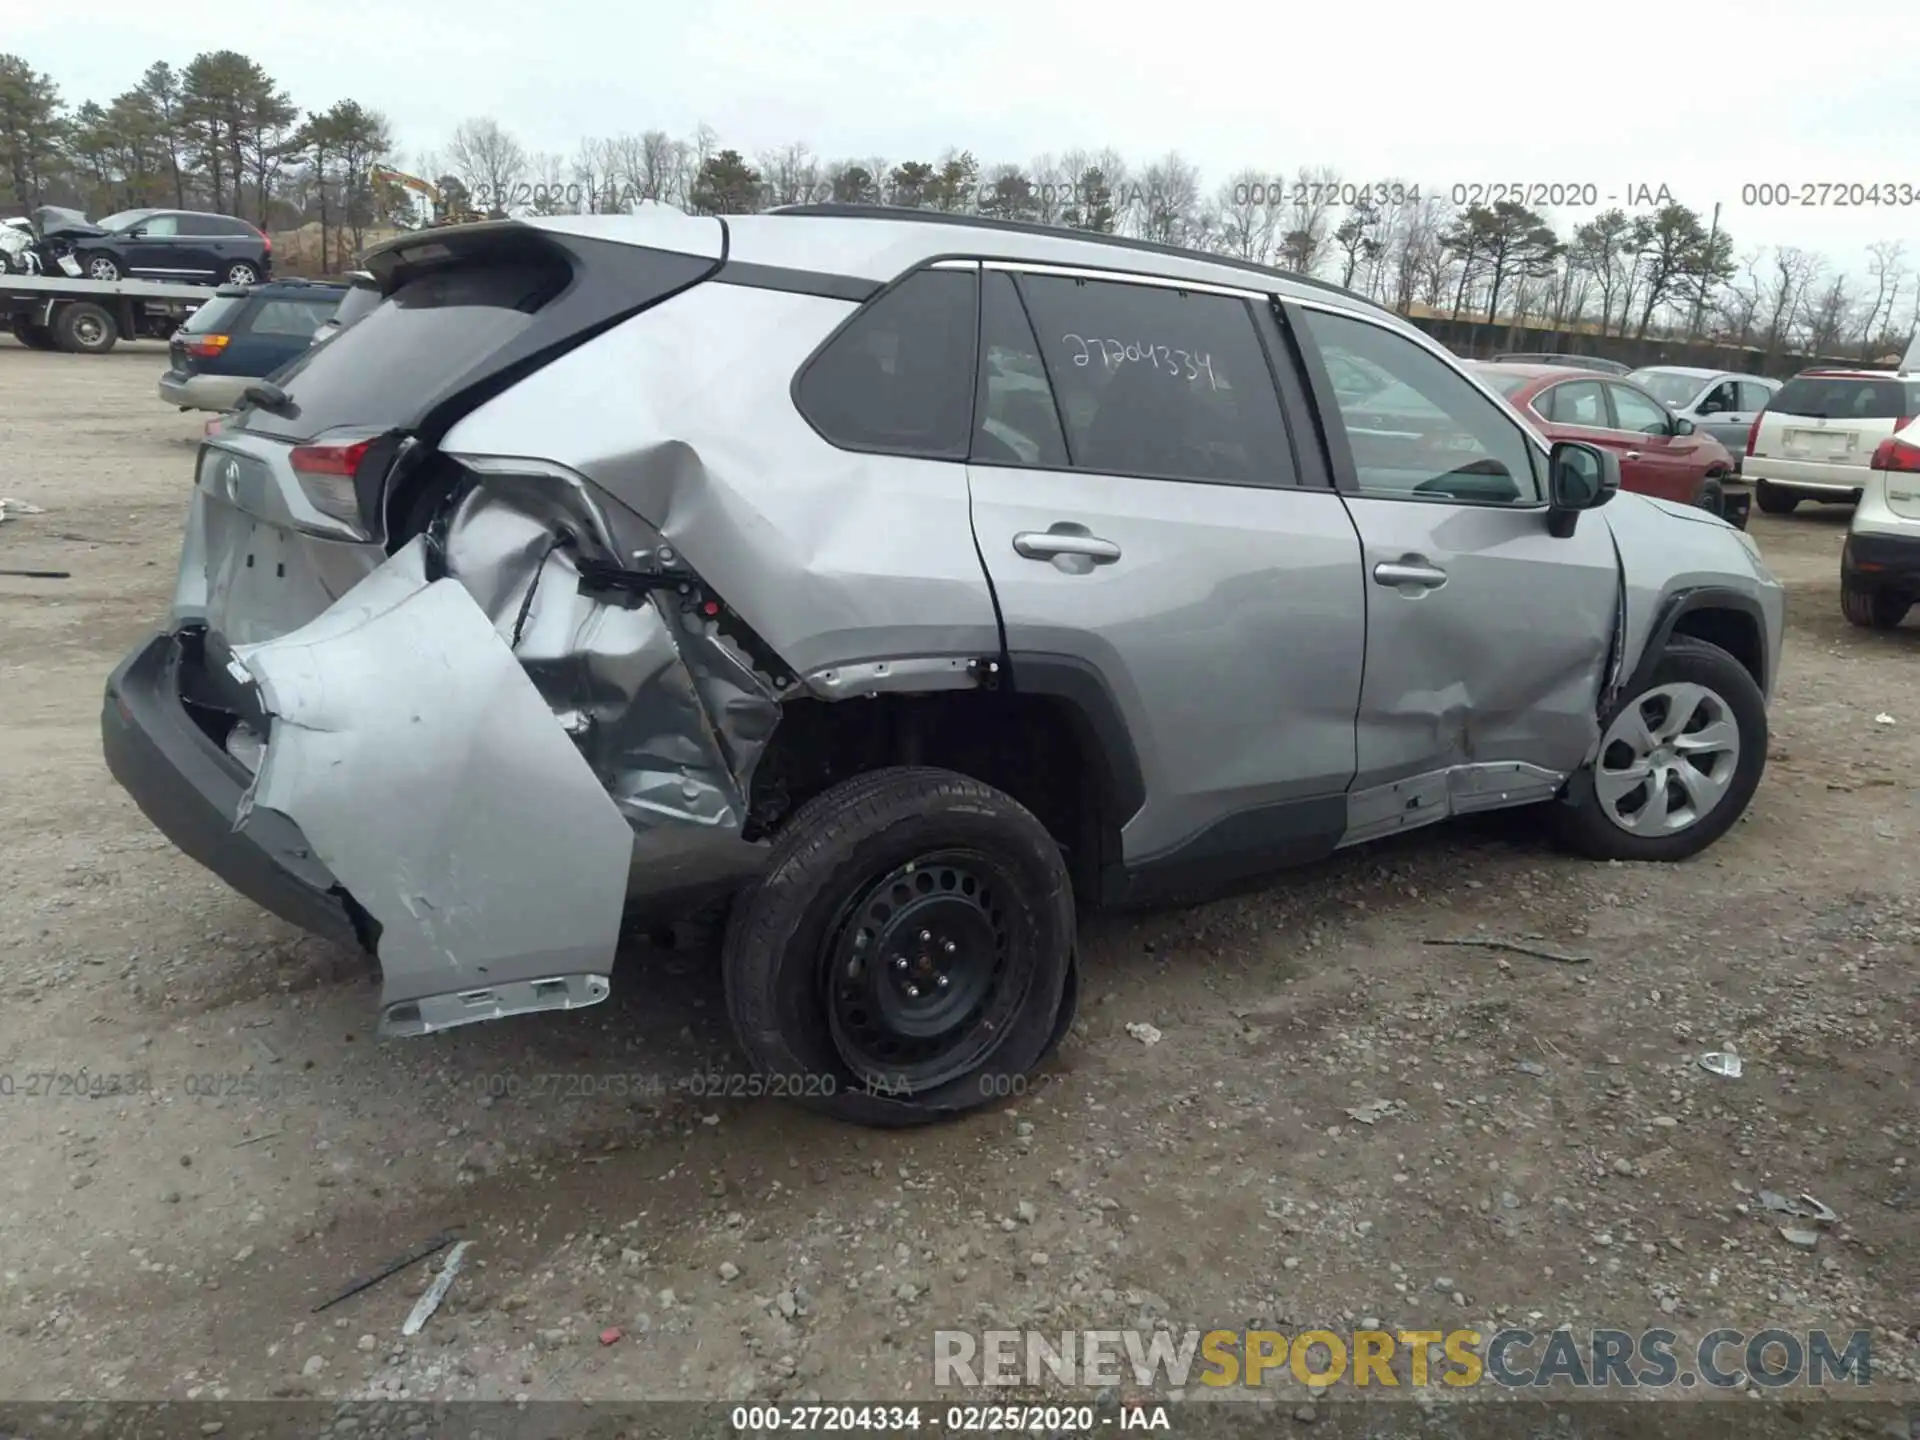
(1620, 95)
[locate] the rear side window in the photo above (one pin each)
(290, 317)
(1838, 397)
(1018, 421)
(216, 314)
(899, 377)
(411, 352)
(1578, 402)
(1156, 381)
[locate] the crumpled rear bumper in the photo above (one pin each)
(191, 789)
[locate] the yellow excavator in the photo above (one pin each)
(428, 192)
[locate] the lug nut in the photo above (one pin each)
(950, 948)
(940, 983)
(925, 936)
(913, 992)
(899, 962)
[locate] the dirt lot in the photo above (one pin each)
(1551, 1153)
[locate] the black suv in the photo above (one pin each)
(186, 245)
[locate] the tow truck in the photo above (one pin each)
(90, 317)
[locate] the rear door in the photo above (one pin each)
(1486, 636)
(198, 247)
(1656, 461)
(1150, 522)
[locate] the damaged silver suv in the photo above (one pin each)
(907, 583)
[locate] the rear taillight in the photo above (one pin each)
(1899, 455)
(267, 241)
(1753, 431)
(326, 473)
(207, 346)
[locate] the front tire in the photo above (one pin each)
(1774, 501)
(1679, 761)
(103, 268)
(908, 954)
(1873, 609)
(83, 328)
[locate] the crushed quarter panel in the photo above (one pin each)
(430, 777)
(684, 414)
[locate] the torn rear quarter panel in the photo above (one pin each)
(495, 763)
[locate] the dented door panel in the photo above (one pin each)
(1502, 663)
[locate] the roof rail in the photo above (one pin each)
(1030, 227)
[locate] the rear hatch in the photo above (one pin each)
(206, 334)
(1834, 419)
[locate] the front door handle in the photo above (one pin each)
(1051, 544)
(1426, 577)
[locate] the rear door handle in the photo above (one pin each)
(1050, 544)
(1633, 455)
(1427, 577)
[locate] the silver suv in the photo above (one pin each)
(905, 583)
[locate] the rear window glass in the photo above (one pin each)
(1668, 388)
(1505, 384)
(290, 317)
(402, 359)
(1838, 397)
(214, 315)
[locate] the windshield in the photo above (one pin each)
(1842, 397)
(120, 219)
(1667, 387)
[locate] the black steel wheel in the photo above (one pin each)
(908, 954)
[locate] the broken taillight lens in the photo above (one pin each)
(326, 473)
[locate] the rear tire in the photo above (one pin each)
(1697, 701)
(1873, 609)
(1774, 501)
(34, 337)
(242, 273)
(908, 954)
(83, 328)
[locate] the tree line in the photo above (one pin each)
(220, 133)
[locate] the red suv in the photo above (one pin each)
(1660, 452)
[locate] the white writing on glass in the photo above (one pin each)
(1115, 353)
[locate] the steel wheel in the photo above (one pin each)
(1667, 760)
(915, 970)
(89, 330)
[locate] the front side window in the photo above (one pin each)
(899, 377)
(1638, 413)
(1723, 399)
(1754, 396)
(1157, 381)
(1429, 434)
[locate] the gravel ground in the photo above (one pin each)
(1340, 1125)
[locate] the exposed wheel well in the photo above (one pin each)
(1039, 749)
(1734, 631)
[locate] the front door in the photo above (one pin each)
(1141, 512)
(1656, 461)
(1487, 638)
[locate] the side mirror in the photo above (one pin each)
(136, 232)
(1579, 477)
(1682, 425)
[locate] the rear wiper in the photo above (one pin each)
(269, 396)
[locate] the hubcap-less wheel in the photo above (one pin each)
(917, 963)
(88, 330)
(1667, 759)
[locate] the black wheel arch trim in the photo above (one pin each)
(1081, 686)
(1686, 602)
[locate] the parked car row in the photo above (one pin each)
(246, 334)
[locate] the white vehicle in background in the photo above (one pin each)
(1880, 563)
(16, 247)
(1817, 438)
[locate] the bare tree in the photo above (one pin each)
(593, 166)
(490, 163)
(1888, 271)
(1163, 204)
(1740, 303)
(1245, 218)
(1792, 272)
(1311, 199)
(792, 176)
(1829, 317)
